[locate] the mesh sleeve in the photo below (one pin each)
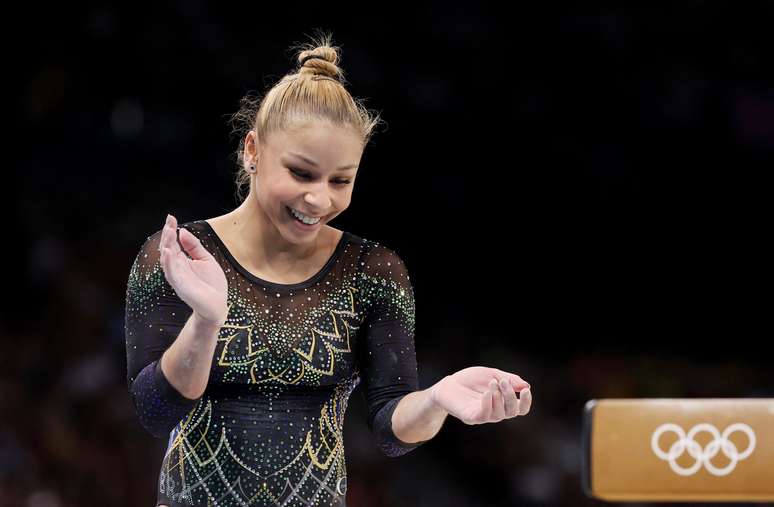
(155, 315)
(386, 353)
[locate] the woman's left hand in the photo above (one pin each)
(479, 394)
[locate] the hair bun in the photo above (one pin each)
(320, 61)
(309, 57)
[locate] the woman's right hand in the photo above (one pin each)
(198, 281)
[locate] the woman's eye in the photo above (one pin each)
(299, 174)
(306, 176)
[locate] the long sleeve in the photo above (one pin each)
(155, 315)
(386, 353)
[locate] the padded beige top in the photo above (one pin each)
(719, 449)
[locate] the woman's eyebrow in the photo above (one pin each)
(314, 164)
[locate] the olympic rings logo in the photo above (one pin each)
(702, 456)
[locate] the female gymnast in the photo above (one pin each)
(246, 333)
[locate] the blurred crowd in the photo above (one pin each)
(69, 435)
(577, 204)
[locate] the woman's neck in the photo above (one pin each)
(256, 238)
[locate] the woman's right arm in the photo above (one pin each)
(175, 306)
(187, 362)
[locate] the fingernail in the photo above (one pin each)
(168, 217)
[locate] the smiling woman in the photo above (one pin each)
(246, 333)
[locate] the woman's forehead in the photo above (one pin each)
(317, 140)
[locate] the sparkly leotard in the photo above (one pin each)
(268, 429)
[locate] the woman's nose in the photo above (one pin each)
(318, 200)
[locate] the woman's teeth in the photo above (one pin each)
(303, 218)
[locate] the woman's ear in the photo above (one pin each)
(250, 151)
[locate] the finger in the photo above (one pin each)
(170, 224)
(498, 409)
(174, 244)
(486, 406)
(166, 265)
(166, 252)
(164, 235)
(170, 239)
(525, 401)
(176, 268)
(192, 245)
(510, 402)
(165, 230)
(517, 382)
(180, 264)
(164, 240)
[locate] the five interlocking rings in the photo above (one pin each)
(702, 456)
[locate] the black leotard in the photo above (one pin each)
(268, 428)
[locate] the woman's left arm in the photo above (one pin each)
(417, 418)
(475, 395)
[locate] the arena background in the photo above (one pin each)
(577, 192)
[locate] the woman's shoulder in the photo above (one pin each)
(375, 247)
(195, 226)
(378, 257)
(205, 233)
(149, 249)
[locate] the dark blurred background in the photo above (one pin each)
(577, 191)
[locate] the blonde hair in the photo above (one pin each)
(315, 91)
